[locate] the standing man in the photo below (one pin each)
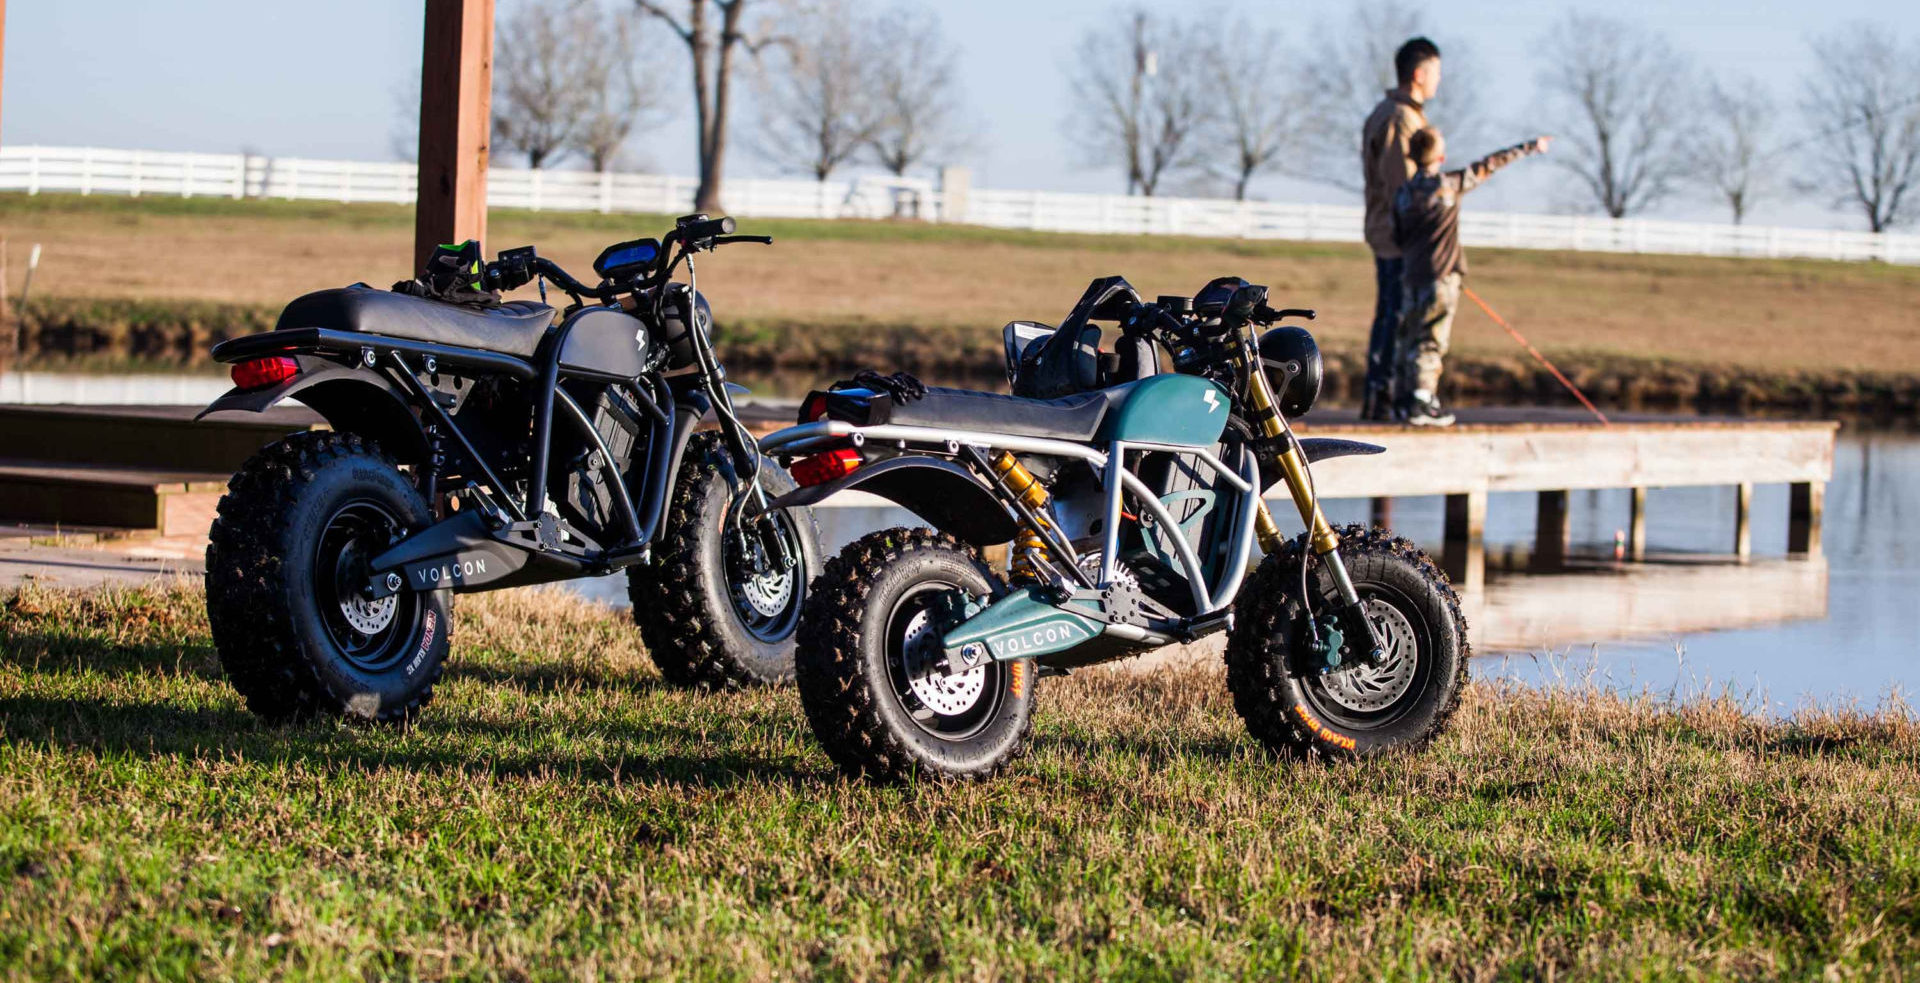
(1386, 165)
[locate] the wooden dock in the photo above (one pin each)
(133, 469)
(154, 468)
(1551, 452)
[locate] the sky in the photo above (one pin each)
(325, 79)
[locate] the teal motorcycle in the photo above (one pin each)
(1131, 497)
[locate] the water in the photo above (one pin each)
(141, 389)
(1779, 631)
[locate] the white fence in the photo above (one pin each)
(136, 172)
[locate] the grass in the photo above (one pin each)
(894, 279)
(559, 814)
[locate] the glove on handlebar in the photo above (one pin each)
(454, 275)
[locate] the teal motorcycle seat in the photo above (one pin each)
(1076, 417)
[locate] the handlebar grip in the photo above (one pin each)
(706, 229)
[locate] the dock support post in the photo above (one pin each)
(1806, 505)
(1637, 526)
(1743, 520)
(1552, 527)
(1464, 556)
(1383, 512)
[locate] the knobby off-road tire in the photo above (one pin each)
(1293, 709)
(287, 554)
(863, 634)
(706, 622)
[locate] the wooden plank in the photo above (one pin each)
(456, 84)
(1557, 458)
(1637, 526)
(140, 437)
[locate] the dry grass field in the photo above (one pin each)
(961, 284)
(558, 814)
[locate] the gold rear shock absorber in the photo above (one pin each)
(1029, 544)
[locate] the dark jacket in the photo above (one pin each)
(1426, 214)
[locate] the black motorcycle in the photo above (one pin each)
(477, 445)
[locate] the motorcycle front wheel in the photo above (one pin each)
(1281, 688)
(718, 606)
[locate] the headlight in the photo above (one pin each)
(1293, 368)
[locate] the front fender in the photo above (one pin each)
(945, 494)
(1322, 448)
(350, 399)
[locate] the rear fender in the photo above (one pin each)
(351, 399)
(945, 494)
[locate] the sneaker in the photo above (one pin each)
(1425, 411)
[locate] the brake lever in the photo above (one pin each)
(729, 240)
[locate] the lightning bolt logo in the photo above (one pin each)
(1212, 400)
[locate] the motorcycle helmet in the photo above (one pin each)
(1292, 362)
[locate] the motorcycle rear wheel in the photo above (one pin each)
(287, 574)
(871, 672)
(1293, 708)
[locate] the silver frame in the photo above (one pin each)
(1116, 480)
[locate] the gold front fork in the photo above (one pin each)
(1266, 416)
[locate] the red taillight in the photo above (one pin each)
(822, 468)
(259, 373)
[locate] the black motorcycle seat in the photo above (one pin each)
(513, 328)
(1075, 417)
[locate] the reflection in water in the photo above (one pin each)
(1837, 628)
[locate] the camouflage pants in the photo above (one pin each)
(1426, 326)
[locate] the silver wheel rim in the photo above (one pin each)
(925, 664)
(1372, 688)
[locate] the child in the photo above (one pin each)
(1426, 227)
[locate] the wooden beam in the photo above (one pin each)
(1806, 509)
(1637, 526)
(1552, 526)
(456, 88)
(1743, 520)
(1383, 512)
(1464, 555)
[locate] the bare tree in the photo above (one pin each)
(1864, 99)
(1261, 114)
(914, 80)
(539, 97)
(616, 102)
(1728, 153)
(1620, 97)
(711, 56)
(1349, 68)
(1142, 89)
(817, 101)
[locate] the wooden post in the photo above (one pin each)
(1464, 555)
(456, 87)
(1806, 508)
(1383, 512)
(1743, 520)
(1637, 526)
(1552, 527)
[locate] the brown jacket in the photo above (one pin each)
(1426, 214)
(1385, 164)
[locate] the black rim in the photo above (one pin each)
(372, 635)
(918, 666)
(1315, 684)
(766, 598)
